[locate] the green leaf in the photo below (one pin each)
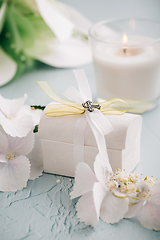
(41, 29)
(17, 34)
(38, 107)
(41, 108)
(24, 27)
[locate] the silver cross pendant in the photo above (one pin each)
(90, 107)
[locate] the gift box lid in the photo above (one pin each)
(61, 129)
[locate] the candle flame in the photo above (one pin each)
(125, 38)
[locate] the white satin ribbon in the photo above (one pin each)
(97, 121)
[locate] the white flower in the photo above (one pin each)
(61, 41)
(146, 205)
(100, 194)
(17, 119)
(70, 48)
(14, 165)
(36, 159)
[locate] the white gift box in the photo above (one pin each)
(57, 136)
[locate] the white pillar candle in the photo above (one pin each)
(128, 69)
(128, 73)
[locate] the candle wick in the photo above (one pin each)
(124, 50)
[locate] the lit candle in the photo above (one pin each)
(128, 69)
(125, 41)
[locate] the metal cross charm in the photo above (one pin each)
(90, 107)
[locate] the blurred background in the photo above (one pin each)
(97, 10)
(61, 78)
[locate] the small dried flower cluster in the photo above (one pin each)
(131, 185)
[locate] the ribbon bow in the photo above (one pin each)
(91, 113)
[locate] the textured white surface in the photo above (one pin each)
(43, 210)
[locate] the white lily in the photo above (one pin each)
(81, 23)
(71, 53)
(14, 165)
(66, 50)
(100, 194)
(16, 118)
(53, 33)
(146, 205)
(6, 62)
(55, 19)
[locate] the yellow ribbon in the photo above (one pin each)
(113, 106)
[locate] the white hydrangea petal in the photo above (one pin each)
(149, 216)
(21, 146)
(113, 208)
(86, 210)
(16, 104)
(55, 19)
(3, 143)
(5, 106)
(10, 107)
(72, 53)
(6, 63)
(134, 208)
(17, 119)
(16, 127)
(84, 180)
(99, 193)
(14, 174)
(88, 206)
(102, 168)
(3, 158)
(155, 194)
(36, 159)
(35, 114)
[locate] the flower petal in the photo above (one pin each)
(10, 107)
(55, 19)
(16, 127)
(88, 206)
(86, 210)
(36, 159)
(155, 194)
(35, 114)
(81, 23)
(6, 63)
(102, 168)
(21, 146)
(14, 174)
(113, 208)
(3, 158)
(5, 106)
(17, 119)
(149, 216)
(84, 180)
(3, 144)
(134, 208)
(16, 104)
(72, 53)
